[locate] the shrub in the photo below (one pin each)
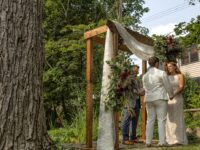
(74, 133)
(191, 93)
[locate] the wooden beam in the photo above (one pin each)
(101, 41)
(115, 43)
(89, 78)
(98, 40)
(116, 121)
(144, 115)
(111, 26)
(124, 48)
(192, 110)
(95, 32)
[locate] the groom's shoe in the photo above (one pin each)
(127, 142)
(136, 140)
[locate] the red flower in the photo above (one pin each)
(124, 74)
(169, 40)
(119, 90)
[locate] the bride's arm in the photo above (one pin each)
(181, 84)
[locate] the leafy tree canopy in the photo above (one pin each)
(59, 13)
(193, 2)
(189, 32)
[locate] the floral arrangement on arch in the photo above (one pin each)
(167, 48)
(121, 83)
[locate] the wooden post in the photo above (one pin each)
(116, 114)
(144, 116)
(89, 110)
(116, 120)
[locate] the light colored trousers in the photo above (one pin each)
(156, 108)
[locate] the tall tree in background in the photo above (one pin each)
(59, 13)
(189, 33)
(22, 118)
(127, 12)
(193, 2)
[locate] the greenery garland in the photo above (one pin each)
(121, 82)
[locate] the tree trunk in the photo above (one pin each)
(22, 117)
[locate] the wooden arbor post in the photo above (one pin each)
(89, 76)
(92, 37)
(144, 116)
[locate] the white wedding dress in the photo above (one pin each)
(175, 125)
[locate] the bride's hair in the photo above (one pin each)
(177, 70)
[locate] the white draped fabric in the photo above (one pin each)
(141, 50)
(106, 134)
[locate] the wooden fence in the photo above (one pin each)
(192, 110)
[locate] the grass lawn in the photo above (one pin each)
(72, 137)
(194, 144)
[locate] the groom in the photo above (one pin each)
(156, 87)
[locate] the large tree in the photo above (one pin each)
(22, 117)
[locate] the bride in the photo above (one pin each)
(175, 125)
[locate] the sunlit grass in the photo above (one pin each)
(74, 133)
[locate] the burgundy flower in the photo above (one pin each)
(169, 40)
(124, 74)
(119, 90)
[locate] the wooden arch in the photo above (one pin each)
(91, 38)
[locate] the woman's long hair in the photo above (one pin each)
(177, 70)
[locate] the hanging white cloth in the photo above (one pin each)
(141, 50)
(106, 134)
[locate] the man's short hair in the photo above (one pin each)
(136, 66)
(153, 60)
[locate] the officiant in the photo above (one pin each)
(132, 110)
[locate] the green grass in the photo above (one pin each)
(194, 144)
(74, 133)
